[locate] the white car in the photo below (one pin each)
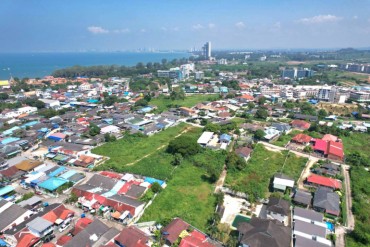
(63, 227)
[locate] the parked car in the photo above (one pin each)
(63, 227)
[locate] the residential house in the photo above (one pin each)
(302, 198)
(300, 124)
(264, 233)
(186, 111)
(282, 182)
(244, 152)
(316, 180)
(309, 229)
(327, 201)
(205, 138)
(172, 231)
(302, 139)
(328, 169)
(282, 127)
(132, 237)
(90, 235)
(306, 117)
(271, 133)
(40, 227)
(12, 215)
(278, 209)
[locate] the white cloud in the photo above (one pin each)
(97, 30)
(355, 17)
(124, 30)
(211, 25)
(197, 27)
(143, 30)
(320, 19)
(176, 29)
(276, 27)
(240, 25)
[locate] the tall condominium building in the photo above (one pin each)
(296, 73)
(207, 50)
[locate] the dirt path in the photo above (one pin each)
(221, 180)
(160, 147)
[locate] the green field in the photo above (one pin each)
(163, 103)
(356, 142)
(255, 178)
(132, 147)
(187, 196)
(283, 140)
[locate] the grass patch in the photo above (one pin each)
(133, 147)
(356, 142)
(188, 196)
(163, 103)
(294, 165)
(255, 178)
(157, 164)
(283, 140)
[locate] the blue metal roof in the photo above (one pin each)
(57, 171)
(68, 174)
(5, 190)
(52, 183)
(9, 140)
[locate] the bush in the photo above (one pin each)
(156, 187)
(184, 145)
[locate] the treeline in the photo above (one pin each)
(106, 71)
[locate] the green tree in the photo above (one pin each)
(261, 113)
(262, 100)
(177, 159)
(259, 134)
(212, 127)
(251, 105)
(322, 113)
(4, 96)
(184, 145)
(141, 102)
(234, 161)
(156, 187)
(93, 129)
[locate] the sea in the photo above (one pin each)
(34, 65)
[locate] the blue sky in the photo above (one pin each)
(108, 25)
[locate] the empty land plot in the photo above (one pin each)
(255, 178)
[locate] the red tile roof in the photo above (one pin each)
(60, 212)
(302, 138)
(324, 181)
(300, 124)
(63, 240)
(48, 245)
(111, 174)
(26, 238)
(336, 149)
(195, 239)
(329, 137)
(80, 225)
(132, 237)
(247, 97)
(173, 230)
(321, 145)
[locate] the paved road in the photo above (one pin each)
(350, 224)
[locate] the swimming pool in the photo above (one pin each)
(240, 218)
(330, 226)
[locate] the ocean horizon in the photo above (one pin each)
(41, 64)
